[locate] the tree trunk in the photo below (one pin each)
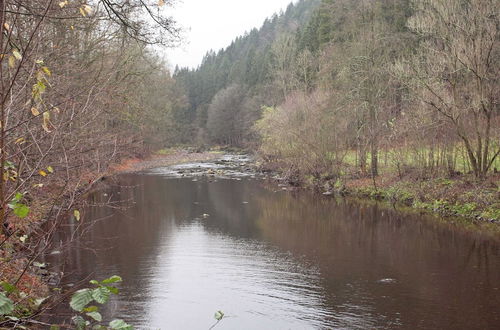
(2, 121)
(374, 156)
(362, 157)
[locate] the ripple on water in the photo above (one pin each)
(255, 284)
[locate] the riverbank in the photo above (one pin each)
(476, 201)
(25, 281)
(162, 158)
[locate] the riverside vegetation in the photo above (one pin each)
(80, 89)
(391, 99)
(387, 99)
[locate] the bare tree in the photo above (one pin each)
(456, 71)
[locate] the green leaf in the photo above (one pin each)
(95, 315)
(101, 295)
(39, 265)
(7, 287)
(6, 305)
(94, 282)
(219, 315)
(120, 324)
(40, 87)
(21, 210)
(9, 165)
(79, 322)
(113, 289)
(112, 279)
(54, 327)
(18, 197)
(91, 309)
(50, 169)
(80, 299)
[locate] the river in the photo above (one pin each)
(188, 245)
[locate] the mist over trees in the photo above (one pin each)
(341, 86)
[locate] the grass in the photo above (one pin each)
(464, 197)
(165, 151)
(411, 158)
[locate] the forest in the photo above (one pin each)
(357, 86)
(391, 99)
(362, 97)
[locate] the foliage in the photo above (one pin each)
(99, 294)
(6, 305)
(21, 210)
(81, 89)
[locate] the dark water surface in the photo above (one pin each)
(279, 260)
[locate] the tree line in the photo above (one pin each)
(80, 88)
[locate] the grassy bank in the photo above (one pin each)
(463, 196)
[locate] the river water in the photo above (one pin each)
(188, 245)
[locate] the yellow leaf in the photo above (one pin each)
(6, 26)
(72, 27)
(76, 213)
(12, 61)
(82, 12)
(21, 140)
(46, 70)
(42, 173)
(62, 4)
(38, 185)
(35, 111)
(17, 54)
(50, 169)
(46, 121)
(87, 9)
(46, 128)
(5, 176)
(161, 3)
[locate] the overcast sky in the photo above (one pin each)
(212, 24)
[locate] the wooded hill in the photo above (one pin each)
(335, 86)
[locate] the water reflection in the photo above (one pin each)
(280, 260)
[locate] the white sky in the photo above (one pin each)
(213, 24)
